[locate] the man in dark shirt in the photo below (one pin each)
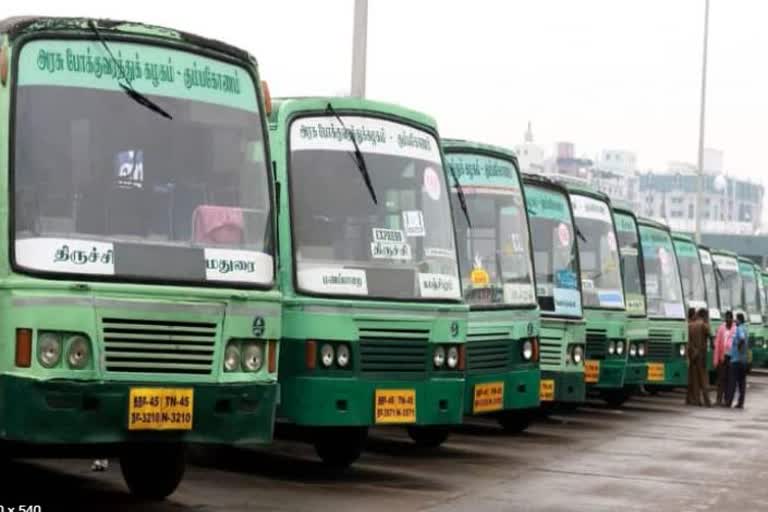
(698, 336)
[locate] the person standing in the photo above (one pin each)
(698, 336)
(739, 354)
(721, 358)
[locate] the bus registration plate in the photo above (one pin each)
(488, 397)
(656, 372)
(547, 390)
(395, 406)
(591, 370)
(160, 409)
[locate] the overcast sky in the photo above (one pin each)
(619, 74)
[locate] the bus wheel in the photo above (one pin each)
(428, 437)
(340, 447)
(616, 398)
(153, 472)
(515, 422)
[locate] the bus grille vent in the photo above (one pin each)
(390, 350)
(158, 346)
(660, 345)
(597, 344)
(488, 352)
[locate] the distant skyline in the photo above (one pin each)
(603, 74)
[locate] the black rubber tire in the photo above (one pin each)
(340, 447)
(428, 437)
(616, 398)
(153, 471)
(515, 422)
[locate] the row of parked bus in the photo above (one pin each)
(177, 240)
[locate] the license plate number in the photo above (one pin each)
(547, 390)
(655, 372)
(395, 406)
(591, 371)
(160, 409)
(488, 397)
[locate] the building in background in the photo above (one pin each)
(731, 205)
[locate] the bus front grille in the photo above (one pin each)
(158, 346)
(387, 349)
(487, 352)
(659, 345)
(597, 344)
(551, 352)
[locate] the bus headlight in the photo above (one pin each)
(253, 357)
(79, 353)
(641, 349)
(632, 350)
(453, 357)
(577, 354)
(327, 355)
(682, 350)
(342, 356)
(611, 347)
(439, 356)
(527, 350)
(619, 347)
(231, 358)
(49, 349)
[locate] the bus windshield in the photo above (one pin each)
(598, 253)
(554, 247)
(400, 246)
(104, 186)
(629, 248)
(691, 274)
(751, 298)
(662, 276)
(710, 282)
(729, 282)
(494, 254)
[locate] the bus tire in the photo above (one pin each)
(153, 472)
(340, 447)
(428, 437)
(616, 398)
(515, 422)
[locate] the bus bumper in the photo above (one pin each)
(675, 374)
(349, 402)
(611, 375)
(68, 412)
(636, 374)
(569, 386)
(759, 357)
(521, 389)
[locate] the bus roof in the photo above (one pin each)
(284, 108)
(468, 145)
(624, 208)
(543, 181)
(725, 252)
(585, 190)
(682, 237)
(21, 25)
(645, 221)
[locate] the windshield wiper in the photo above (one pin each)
(462, 197)
(126, 84)
(581, 235)
(357, 156)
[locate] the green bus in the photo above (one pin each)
(494, 246)
(667, 325)
(764, 357)
(558, 291)
(139, 304)
(751, 279)
(634, 290)
(602, 293)
(712, 295)
(691, 272)
(374, 322)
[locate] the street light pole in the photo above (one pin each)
(702, 117)
(359, 48)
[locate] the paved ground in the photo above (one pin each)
(654, 454)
